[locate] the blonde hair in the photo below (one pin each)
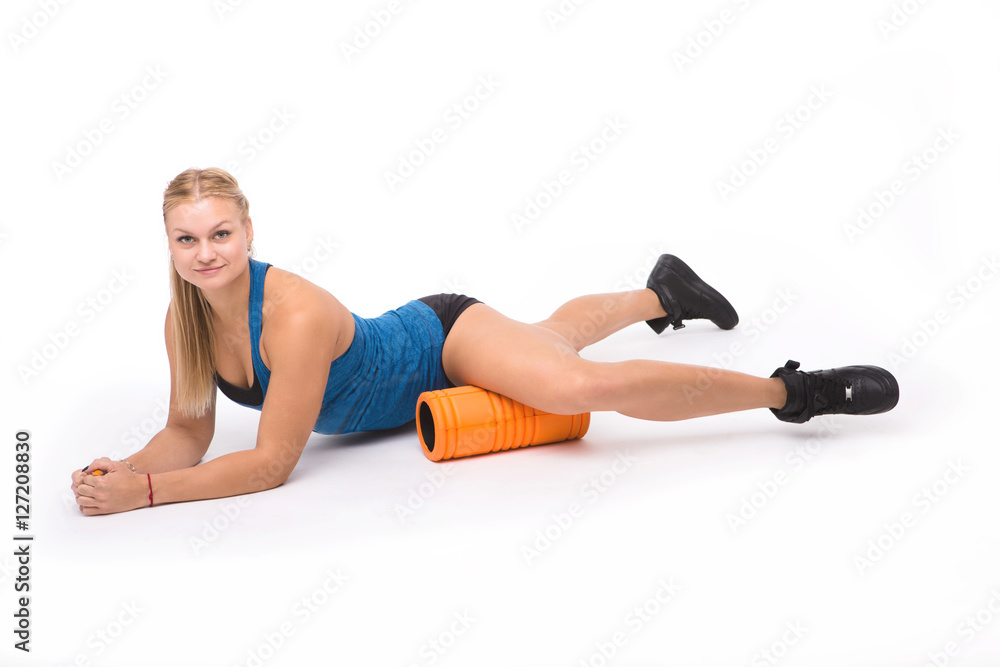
(194, 335)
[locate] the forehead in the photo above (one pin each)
(202, 214)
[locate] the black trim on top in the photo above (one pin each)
(254, 396)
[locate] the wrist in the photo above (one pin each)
(140, 494)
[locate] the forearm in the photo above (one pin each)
(229, 475)
(172, 448)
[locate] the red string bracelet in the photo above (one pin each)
(150, 489)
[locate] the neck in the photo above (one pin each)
(230, 302)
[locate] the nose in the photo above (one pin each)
(206, 252)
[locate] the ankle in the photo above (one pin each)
(777, 393)
(650, 307)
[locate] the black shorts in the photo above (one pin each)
(448, 307)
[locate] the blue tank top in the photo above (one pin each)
(375, 383)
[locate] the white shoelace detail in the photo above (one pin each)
(849, 388)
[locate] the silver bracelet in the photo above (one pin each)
(130, 466)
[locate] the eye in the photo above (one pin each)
(183, 239)
(222, 234)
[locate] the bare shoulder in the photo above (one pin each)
(295, 309)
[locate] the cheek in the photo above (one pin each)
(233, 245)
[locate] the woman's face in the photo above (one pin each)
(208, 241)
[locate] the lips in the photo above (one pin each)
(210, 270)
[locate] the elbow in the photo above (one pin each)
(271, 473)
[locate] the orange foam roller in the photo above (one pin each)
(464, 421)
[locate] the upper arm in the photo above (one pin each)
(203, 428)
(300, 345)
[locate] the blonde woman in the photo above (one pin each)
(274, 341)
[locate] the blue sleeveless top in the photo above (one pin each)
(375, 383)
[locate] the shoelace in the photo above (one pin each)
(830, 393)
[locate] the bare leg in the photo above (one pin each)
(664, 391)
(587, 319)
(537, 366)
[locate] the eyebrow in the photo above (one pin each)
(217, 225)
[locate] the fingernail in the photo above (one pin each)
(85, 469)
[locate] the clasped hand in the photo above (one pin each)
(118, 489)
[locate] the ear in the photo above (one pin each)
(249, 230)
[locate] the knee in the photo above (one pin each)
(565, 330)
(581, 388)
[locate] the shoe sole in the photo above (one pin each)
(678, 266)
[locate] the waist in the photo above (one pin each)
(391, 359)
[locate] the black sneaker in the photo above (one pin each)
(851, 390)
(685, 296)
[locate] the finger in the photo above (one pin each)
(86, 501)
(94, 480)
(103, 464)
(85, 490)
(79, 477)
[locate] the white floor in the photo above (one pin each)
(727, 540)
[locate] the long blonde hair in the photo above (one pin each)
(194, 335)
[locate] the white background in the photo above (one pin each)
(887, 296)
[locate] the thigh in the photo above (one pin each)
(522, 361)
